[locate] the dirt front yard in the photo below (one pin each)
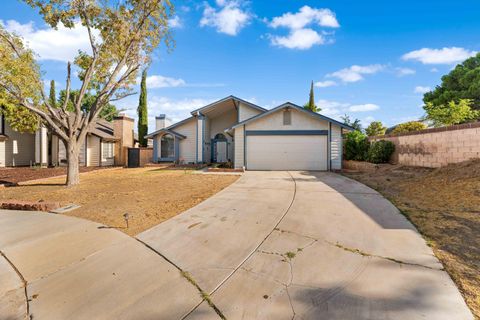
(444, 205)
(9, 176)
(148, 195)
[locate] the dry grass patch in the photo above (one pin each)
(444, 205)
(149, 195)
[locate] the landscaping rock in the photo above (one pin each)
(29, 205)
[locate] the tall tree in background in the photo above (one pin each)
(463, 82)
(52, 96)
(375, 128)
(142, 111)
(122, 36)
(311, 101)
(355, 124)
(451, 113)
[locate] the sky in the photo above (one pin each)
(372, 60)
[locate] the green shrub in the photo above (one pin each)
(409, 127)
(356, 146)
(380, 151)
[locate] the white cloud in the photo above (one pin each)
(363, 107)
(445, 55)
(367, 120)
(355, 73)
(299, 36)
(404, 71)
(230, 18)
(158, 81)
(325, 84)
(420, 89)
(175, 109)
(337, 109)
(298, 39)
(332, 109)
(175, 22)
(50, 44)
(306, 16)
(434, 70)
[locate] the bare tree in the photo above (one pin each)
(122, 38)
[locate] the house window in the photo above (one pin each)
(167, 146)
(107, 150)
(287, 118)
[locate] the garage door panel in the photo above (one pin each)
(286, 152)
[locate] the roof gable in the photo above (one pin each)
(296, 107)
(199, 110)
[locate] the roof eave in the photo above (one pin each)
(289, 104)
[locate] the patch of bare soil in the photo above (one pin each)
(444, 205)
(15, 175)
(149, 195)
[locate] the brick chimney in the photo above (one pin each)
(161, 121)
(123, 131)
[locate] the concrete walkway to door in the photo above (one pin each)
(283, 245)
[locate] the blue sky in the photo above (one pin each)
(369, 59)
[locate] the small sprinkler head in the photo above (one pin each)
(126, 216)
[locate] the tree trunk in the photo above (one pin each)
(73, 169)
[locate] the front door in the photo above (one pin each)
(221, 151)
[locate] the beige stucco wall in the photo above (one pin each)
(93, 151)
(19, 148)
(207, 142)
(246, 112)
(300, 121)
(239, 145)
(437, 147)
(2, 153)
(188, 145)
(336, 149)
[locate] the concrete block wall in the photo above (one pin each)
(436, 147)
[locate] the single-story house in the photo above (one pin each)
(105, 145)
(287, 137)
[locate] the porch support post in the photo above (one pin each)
(41, 146)
(155, 149)
(177, 148)
(200, 138)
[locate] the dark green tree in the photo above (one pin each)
(142, 111)
(52, 95)
(463, 82)
(311, 101)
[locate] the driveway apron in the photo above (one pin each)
(283, 245)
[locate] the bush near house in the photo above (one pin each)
(356, 146)
(380, 151)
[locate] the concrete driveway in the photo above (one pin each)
(273, 245)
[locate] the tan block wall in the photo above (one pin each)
(436, 147)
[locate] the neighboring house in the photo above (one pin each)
(287, 137)
(106, 144)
